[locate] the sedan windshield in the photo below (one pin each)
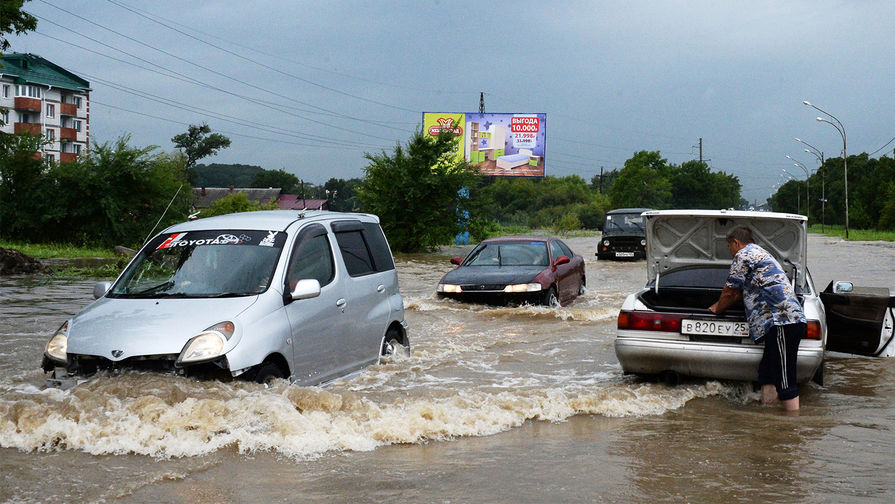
(510, 254)
(203, 264)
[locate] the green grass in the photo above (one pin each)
(57, 250)
(853, 234)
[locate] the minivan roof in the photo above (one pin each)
(268, 220)
(628, 210)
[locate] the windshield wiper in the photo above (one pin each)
(155, 289)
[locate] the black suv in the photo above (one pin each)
(623, 235)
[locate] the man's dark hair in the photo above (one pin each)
(741, 233)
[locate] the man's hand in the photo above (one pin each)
(728, 297)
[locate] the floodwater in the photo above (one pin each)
(494, 405)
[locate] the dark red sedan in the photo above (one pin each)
(516, 269)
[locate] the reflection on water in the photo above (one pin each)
(545, 379)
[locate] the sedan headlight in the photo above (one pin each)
(442, 287)
(643, 243)
(206, 345)
(606, 243)
(57, 347)
(529, 287)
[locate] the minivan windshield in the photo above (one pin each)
(203, 264)
(624, 223)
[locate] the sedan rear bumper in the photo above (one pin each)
(705, 360)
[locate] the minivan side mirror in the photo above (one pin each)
(100, 289)
(306, 289)
(456, 260)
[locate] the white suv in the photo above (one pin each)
(261, 295)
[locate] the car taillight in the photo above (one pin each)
(648, 321)
(813, 331)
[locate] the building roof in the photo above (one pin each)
(205, 196)
(295, 202)
(32, 69)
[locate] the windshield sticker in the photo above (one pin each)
(269, 240)
(171, 241)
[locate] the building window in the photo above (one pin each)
(77, 101)
(6, 90)
(77, 149)
(51, 135)
(4, 116)
(77, 125)
(51, 110)
(51, 157)
(29, 91)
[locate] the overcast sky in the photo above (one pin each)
(310, 86)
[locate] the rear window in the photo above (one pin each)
(363, 247)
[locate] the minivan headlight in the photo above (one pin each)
(206, 345)
(57, 347)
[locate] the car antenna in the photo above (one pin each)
(163, 214)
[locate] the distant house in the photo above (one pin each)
(295, 202)
(205, 196)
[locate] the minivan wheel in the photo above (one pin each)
(391, 344)
(267, 372)
(818, 377)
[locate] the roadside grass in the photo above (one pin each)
(57, 250)
(853, 234)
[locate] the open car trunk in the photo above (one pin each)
(688, 300)
(859, 319)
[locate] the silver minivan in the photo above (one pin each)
(308, 296)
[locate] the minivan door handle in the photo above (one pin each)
(342, 303)
(381, 288)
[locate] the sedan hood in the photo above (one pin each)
(490, 275)
(137, 327)
(681, 238)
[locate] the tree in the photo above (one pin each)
(415, 192)
(22, 187)
(197, 143)
(288, 182)
(643, 182)
(14, 20)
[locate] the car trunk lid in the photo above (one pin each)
(681, 238)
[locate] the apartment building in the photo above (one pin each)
(40, 97)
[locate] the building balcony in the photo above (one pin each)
(67, 157)
(29, 104)
(30, 128)
(68, 134)
(69, 109)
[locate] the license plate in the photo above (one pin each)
(624, 254)
(715, 328)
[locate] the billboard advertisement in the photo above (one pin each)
(500, 144)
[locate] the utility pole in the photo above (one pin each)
(481, 103)
(601, 180)
(700, 149)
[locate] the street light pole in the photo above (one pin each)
(823, 182)
(807, 188)
(841, 129)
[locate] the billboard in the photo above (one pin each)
(500, 144)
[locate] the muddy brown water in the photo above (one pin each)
(494, 405)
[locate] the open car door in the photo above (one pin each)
(859, 319)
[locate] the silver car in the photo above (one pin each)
(260, 295)
(666, 327)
